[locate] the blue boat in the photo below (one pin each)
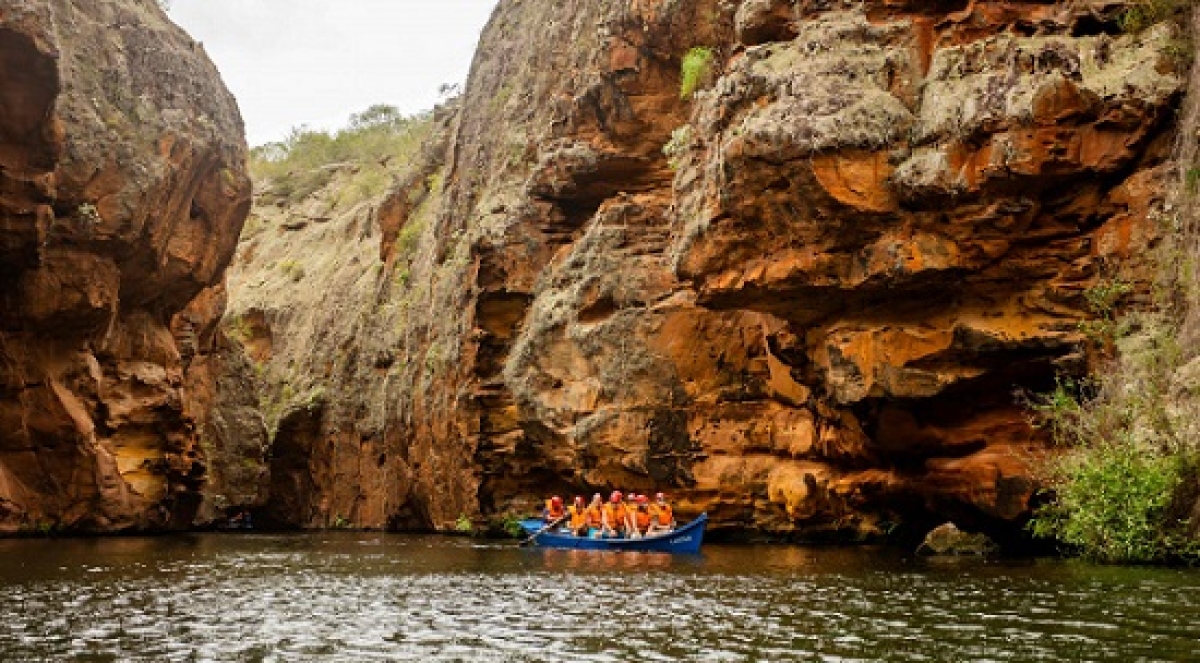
(683, 540)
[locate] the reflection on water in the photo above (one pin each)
(362, 597)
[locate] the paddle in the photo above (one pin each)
(539, 532)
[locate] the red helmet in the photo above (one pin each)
(631, 497)
(660, 497)
(642, 499)
(556, 500)
(615, 497)
(579, 499)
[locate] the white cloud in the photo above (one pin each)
(314, 62)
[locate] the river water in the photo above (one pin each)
(374, 597)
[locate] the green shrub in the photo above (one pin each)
(505, 525)
(377, 141)
(292, 269)
(1103, 297)
(1113, 503)
(409, 237)
(1124, 482)
(239, 328)
(1192, 181)
(463, 524)
(696, 67)
(1145, 13)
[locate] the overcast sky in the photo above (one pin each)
(314, 62)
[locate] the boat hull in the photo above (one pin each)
(683, 540)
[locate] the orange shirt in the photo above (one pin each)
(578, 516)
(643, 518)
(554, 513)
(595, 516)
(662, 513)
(616, 515)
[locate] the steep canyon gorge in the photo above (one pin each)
(803, 296)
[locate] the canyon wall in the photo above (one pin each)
(326, 303)
(122, 193)
(802, 297)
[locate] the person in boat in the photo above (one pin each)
(577, 520)
(662, 516)
(554, 510)
(614, 517)
(631, 529)
(240, 521)
(595, 516)
(640, 518)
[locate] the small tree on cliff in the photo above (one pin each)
(379, 117)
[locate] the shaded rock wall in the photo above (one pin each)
(876, 221)
(324, 299)
(122, 193)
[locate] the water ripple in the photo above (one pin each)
(373, 597)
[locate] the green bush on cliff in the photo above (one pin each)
(696, 67)
(1142, 14)
(1124, 482)
(1114, 505)
(376, 142)
(1145, 13)
(1120, 494)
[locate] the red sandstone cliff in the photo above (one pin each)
(122, 193)
(877, 221)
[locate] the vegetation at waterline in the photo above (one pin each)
(1122, 494)
(464, 524)
(1126, 486)
(376, 144)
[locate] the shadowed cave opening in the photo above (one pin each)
(27, 152)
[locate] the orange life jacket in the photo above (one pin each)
(595, 516)
(552, 513)
(662, 514)
(616, 516)
(578, 517)
(642, 516)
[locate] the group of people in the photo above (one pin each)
(623, 516)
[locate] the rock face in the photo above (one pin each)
(882, 221)
(921, 209)
(122, 193)
(330, 297)
(801, 299)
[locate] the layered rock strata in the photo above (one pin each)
(122, 193)
(800, 299)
